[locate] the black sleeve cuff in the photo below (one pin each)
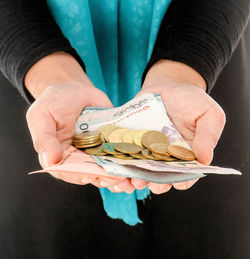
(202, 34)
(28, 32)
(24, 67)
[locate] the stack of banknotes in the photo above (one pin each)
(143, 114)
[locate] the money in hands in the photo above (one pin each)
(123, 143)
(135, 140)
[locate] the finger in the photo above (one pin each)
(126, 185)
(43, 132)
(208, 131)
(130, 190)
(74, 178)
(102, 100)
(123, 186)
(185, 185)
(157, 188)
(104, 182)
(139, 184)
(115, 189)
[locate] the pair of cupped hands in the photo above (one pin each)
(62, 90)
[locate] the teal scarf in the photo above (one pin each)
(115, 39)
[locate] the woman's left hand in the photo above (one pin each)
(198, 118)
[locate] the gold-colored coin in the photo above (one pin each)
(80, 142)
(138, 156)
(152, 137)
(110, 149)
(159, 148)
(137, 137)
(117, 135)
(128, 148)
(123, 156)
(102, 138)
(164, 158)
(106, 130)
(88, 145)
(86, 141)
(95, 151)
(129, 137)
(180, 152)
(182, 144)
(87, 135)
(148, 154)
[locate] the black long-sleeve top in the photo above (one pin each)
(202, 34)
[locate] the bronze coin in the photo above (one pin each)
(148, 154)
(127, 148)
(95, 151)
(88, 145)
(164, 158)
(110, 149)
(123, 156)
(159, 148)
(87, 135)
(138, 156)
(152, 137)
(180, 152)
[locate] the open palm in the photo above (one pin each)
(51, 121)
(199, 119)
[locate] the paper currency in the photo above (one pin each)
(146, 175)
(145, 112)
(76, 161)
(183, 167)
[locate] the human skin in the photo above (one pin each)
(199, 119)
(62, 89)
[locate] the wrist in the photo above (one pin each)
(54, 69)
(175, 72)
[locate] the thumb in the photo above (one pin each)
(100, 99)
(43, 132)
(208, 131)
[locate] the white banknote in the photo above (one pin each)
(145, 112)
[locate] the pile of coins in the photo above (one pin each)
(131, 144)
(87, 139)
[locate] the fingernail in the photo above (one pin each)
(161, 188)
(167, 189)
(129, 191)
(117, 189)
(183, 187)
(44, 157)
(84, 181)
(123, 185)
(103, 183)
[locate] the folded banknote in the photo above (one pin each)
(143, 112)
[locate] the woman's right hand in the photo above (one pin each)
(51, 120)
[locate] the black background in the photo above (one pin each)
(44, 218)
